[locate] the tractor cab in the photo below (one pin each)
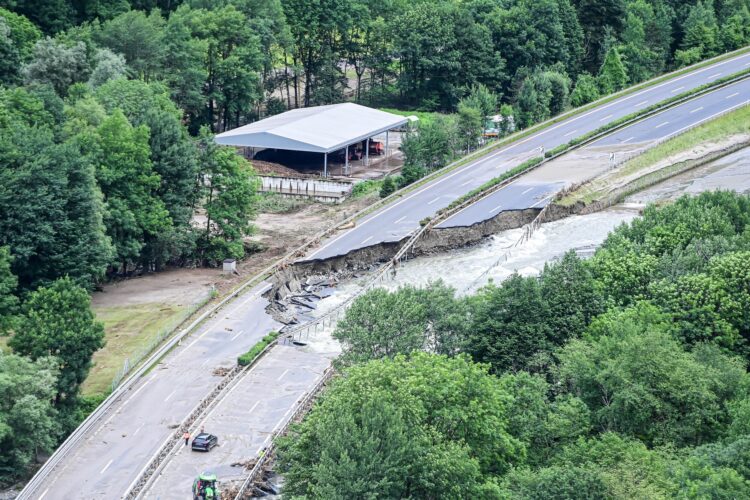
(204, 487)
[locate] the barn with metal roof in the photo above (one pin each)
(320, 129)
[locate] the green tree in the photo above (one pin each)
(173, 156)
(639, 381)
(703, 309)
(126, 177)
(388, 187)
(470, 124)
(646, 38)
(600, 19)
(109, 66)
(570, 293)
(612, 75)
(139, 38)
(58, 65)
(556, 482)
(28, 421)
(383, 324)
(8, 299)
(17, 38)
(585, 91)
(50, 206)
(626, 466)
(425, 427)
(541, 423)
(230, 201)
(432, 145)
(184, 70)
(701, 31)
(58, 321)
(508, 325)
(50, 15)
(483, 99)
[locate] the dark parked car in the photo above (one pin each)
(204, 442)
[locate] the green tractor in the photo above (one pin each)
(204, 487)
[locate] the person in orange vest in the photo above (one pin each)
(186, 437)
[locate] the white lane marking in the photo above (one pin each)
(747, 64)
(730, 96)
(138, 430)
(605, 118)
(402, 218)
(496, 209)
(674, 91)
(433, 201)
(201, 423)
(696, 110)
(366, 240)
(42, 495)
(676, 132)
(642, 103)
(714, 75)
(282, 375)
(236, 307)
(170, 396)
(527, 190)
(627, 140)
(467, 183)
(254, 406)
(106, 466)
(661, 124)
(514, 144)
(571, 133)
(117, 412)
(237, 335)
(542, 200)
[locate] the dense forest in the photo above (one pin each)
(107, 110)
(621, 376)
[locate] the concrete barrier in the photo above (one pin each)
(319, 189)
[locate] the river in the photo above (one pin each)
(496, 258)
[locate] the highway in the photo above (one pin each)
(395, 221)
(106, 463)
(522, 194)
(111, 458)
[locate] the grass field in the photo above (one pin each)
(734, 123)
(129, 330)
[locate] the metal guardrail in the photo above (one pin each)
(79, 433)
(302, 408)
(145, 477)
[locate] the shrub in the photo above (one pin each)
(248, 357)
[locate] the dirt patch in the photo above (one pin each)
(271, 168)
(174, 286)
(281, 232)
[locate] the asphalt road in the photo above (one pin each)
(395, 221)
(110, 458)
(522, 194)
(246, 418)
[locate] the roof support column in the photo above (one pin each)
(325, 164)
(386, 148)
(367, 152)
(346, 160)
